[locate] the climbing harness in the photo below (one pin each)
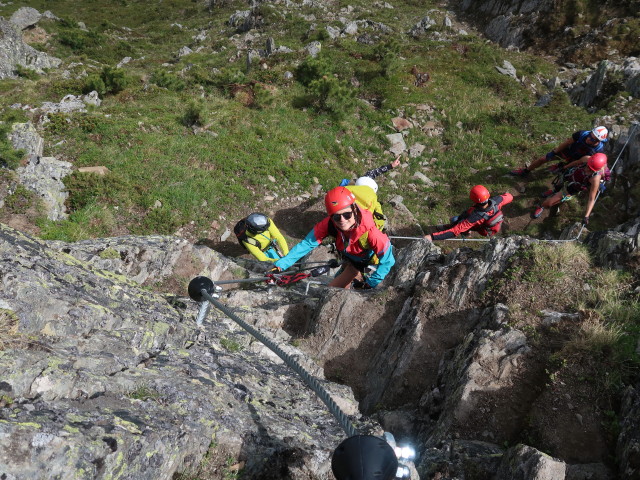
(630, 135)
(359, 457)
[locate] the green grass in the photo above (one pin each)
(144, 133)
(144, 393)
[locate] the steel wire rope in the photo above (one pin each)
(310, 380)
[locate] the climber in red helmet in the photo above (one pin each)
(358, 240)
(580, 145)
(576, 177)
(484, 217)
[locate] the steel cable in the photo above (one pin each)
(310, 380)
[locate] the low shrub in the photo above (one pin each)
(86, 188)
(110, 80)
(194, 115)
(167, 80)
(20, 200)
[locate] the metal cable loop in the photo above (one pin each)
(311, 381)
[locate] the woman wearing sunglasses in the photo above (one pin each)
(358, 240)
(580, 145)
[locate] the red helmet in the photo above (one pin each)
(479, 194)
(337, 199)
(597, 161)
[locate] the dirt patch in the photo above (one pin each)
(346, 333)
(560, 402)
(35, 34)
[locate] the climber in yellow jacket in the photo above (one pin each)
(367, 198)
(260, 236)
(366, 192)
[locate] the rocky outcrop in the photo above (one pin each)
(25, 17)
(506, 21)
(24, 136)
(105, 379)
(585, 95)
(43, 175)
(628, 449)
(527, 463)
(13, 52)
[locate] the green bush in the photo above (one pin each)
(194, 115)
(27, 73)
(262, 96)
(159, 220)
(9, 157)
(58, 123)
(167, 80)
(386, 55)
(313, 69)
(86, 188)
(20, 200)
(332, 95)
(78, 40)
(111, 80)
(228, 77)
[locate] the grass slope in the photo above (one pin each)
(254, 123)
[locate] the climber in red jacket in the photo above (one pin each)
(484, 217)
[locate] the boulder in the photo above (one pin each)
(13, 52)
(24, 136)
(25, 17)
(526, 463)
(584, 95)
(43, 176)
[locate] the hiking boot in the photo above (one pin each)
(537, 212)
(520, 172)
(547, 193)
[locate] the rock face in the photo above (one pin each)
(43, 175)
(13, 52)
(102, 379)
(25, 17)
(24, 136)
(505, 21)
(629, 440)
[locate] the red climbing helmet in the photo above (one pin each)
(337, 199)
(479, 194)
(597, 161)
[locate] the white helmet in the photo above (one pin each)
(601, 133)
(369, 182)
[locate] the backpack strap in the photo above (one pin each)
(492, 216)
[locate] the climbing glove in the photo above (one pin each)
(585, 221)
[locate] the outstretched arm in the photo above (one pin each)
(383, 169)
(593, 192)
(575, 163)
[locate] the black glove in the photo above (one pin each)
(585, 221)
(359, 285)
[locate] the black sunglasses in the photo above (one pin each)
(346, 215)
